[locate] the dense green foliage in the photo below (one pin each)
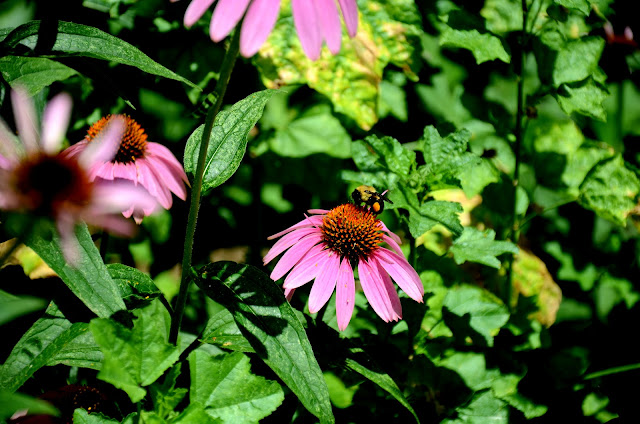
(506, 132)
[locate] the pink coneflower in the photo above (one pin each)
(328, 245)
(315, 20)
(149, 164)
(36, 179)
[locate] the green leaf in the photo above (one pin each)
(134, 358)
(10, 403)
(314, 131)
(443, 99)
(486, 314)
(484, 47)
(341, 395)
(482, 409)
(480, 246)
(502, 16)
(12, 307)
(612, 291)
(386, 153)
(37, 346)
(81, 416)
(577, 60)
(611, 190)
(435, 212)
(228, 390)
(166, 396)
(584, 97)
(228, 141)
(33, 73)
(270, 324)
(582, 5)
(222, 331)
(388, 33)
(361, 363)
(72, 39)
(82, 351)
(133, 283)
(88, 278)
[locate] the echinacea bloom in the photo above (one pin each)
(36, 179)
(328, 245)
(315, 20)
(145, 163)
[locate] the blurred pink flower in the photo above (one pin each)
(36, 179)
(316, 21)
(149, 164)
(328, 245)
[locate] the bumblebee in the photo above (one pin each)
(370, 197)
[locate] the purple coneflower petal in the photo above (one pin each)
(308, 267)
(119, 195)
(226, 16)
(294, 254)
(170, 161)
(8, 142)
(391, 234)
(304, 18)
(390, 288)
(288, 294)
(65, 224)
(375, 292)
(25, 118)
(4, 162)
(105, 146)
(195, 10)
(286, 242)
(307, 222)
(172, 181)
(55, 120)
(402, 273)
(329, 23)
(149, 180)
(325, 283)
(391, 242)
(258, 23)
(345, 294)
(350, 15)
(318, 211)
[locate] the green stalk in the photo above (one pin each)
(196, 189)
(611, 371)
(515, 227)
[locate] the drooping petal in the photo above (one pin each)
(286, 242)
(388, 286)
(288, 294)
(307, 268)
(318, 211)
(401, 272)
(294, 254)
(226, 16)
(345, 294)
(391, 242)
(171, 181)
(66, 225)
(9, 143)
(113, 223)
(25, 118)
(106, 144)
(157, 149)
(375, 292)
(55, 120)
(257, 25)
(75, 149)
(125, 171)
(306, 22)
(148, 180)
(350, 15)
(118, 196)
(310, 221)
(195, 11)
(329, 23)
(393, 235)
(325, 283)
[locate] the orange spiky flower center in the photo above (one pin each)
(134, 139)
(351, 231)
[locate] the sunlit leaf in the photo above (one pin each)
(228, 141)
(585, 98)
(134, 358)
(484, 47)
(229, 391)
(481, 247)
(222, 331)
(272, 328)
(33, 73)
(71, 39)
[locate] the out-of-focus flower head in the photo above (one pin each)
(316, 21)
(145, 163)
(37, 180)
(329, 245)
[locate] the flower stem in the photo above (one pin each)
(515, 225)
(196, 190)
